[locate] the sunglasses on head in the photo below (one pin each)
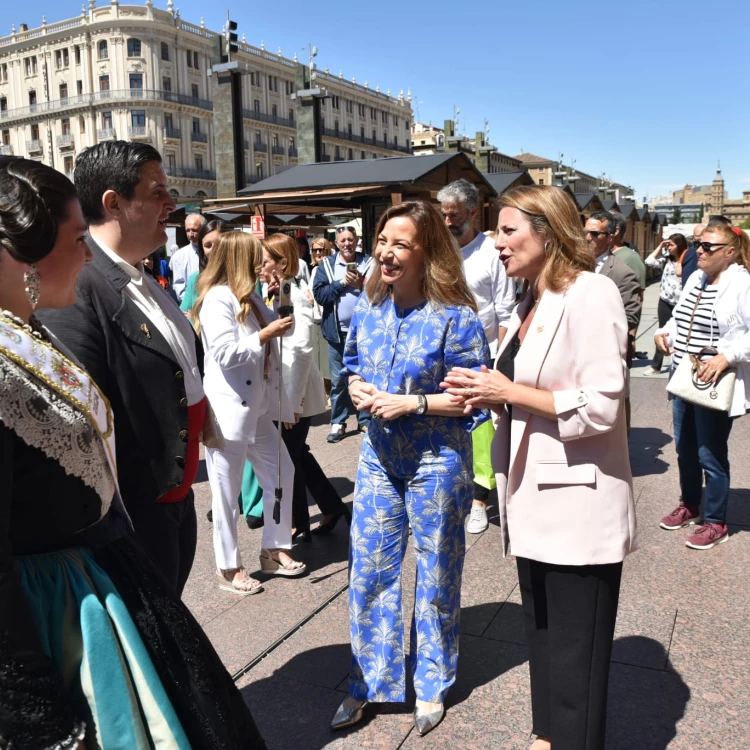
(339, 230)
(595, 235)
(711, 247)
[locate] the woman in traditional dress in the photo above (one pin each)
(96, 651)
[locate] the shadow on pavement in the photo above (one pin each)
(645, 445)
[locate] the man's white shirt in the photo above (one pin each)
(184, 263)
(493, 290)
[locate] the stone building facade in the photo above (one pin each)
(139, 73)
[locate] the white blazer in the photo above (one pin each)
(234, 381)
(564, 486)
(731, 312)
(302, 379)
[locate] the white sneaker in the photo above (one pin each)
(651, 371)
(477, 520)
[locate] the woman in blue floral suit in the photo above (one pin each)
(416, 321)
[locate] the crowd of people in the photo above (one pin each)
(114, 370)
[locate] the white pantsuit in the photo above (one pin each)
(225, 469)
(242, 384)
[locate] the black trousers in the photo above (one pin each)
(308, 475)
(664, 312)
(569, 615)
(169, 533)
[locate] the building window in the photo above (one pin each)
(196, 124)
(168, 124)
(541, 181)
(291, 115)
(336, 126)
(374, 134)
(77, 53)
(35, 132)
(384, 115)
(68, 165)
(194, 90)
(103, 49)
(107, 120)
(164, 51)
(4, 73)
(351, 154)
(166, 83)
(81, 124)
(199, 162)
(189, 54)
(6, 137)
(134, 47)
(32, 98)
(373, 113)
(171, 162)
(337, 153)
(30, 65)
(275, 140)
(395, 140)
(335, 103)
(256, 105)
(138, 118)
(65, 125)
(174, 193)
(350, 107)
(62, 60)
(258, 138)
(252, 79)
(289, 87)
(103, 83)
(349, 128)
(136, 81)
(361, 154)
(79, 88)
(63, 90)
(362, 132)
(259, 170)
(274, 110)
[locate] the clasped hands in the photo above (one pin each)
(708, 370)
(483, 389)
(381, 405)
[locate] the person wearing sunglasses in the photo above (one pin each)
(717, 300)
(667, 258)
(338, 286)
(321, 248)
(599, 230)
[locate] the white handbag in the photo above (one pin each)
(686, 385)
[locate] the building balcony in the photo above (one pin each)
(352, 138)
(105, 134)
(258, 146)
(6, 149)
(140, 132)
(199, 137)
(103, 97)
(65, 141)
(170, 132)
(292, 151)
(284, 122)
(33, 145)
(278, 150)
(190, 173)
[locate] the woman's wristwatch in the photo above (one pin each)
(421, 404)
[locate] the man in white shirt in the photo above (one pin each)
(184, 263)
(495, 296)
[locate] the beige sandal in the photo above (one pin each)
(240, 588)
(270, 563)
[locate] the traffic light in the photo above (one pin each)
(231, 36)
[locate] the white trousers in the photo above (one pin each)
(225, 469)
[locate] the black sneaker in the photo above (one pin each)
(210, 516)
(336, 433)
(254, 522)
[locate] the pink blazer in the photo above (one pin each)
(565, 487)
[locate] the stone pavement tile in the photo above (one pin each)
(487, 582)
(645, 709)
(508, 625)
(489, 706)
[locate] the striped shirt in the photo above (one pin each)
(705, 329)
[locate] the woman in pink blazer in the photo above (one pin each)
(560, 454)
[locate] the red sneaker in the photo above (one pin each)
(682, 515)
(708, 535)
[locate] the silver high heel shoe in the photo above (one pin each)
(348, 717)
(427, 722)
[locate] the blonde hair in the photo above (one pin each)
(234, 262)
(283, 247)
(554, 217)
(327, 245)
(735, 238)
(443, 279)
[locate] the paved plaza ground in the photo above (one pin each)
(681, 662)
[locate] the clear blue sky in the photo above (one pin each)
(652, 93)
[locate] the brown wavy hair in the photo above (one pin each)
(736, 238)
(443, 280)
(554, 217)
(233, 262)
(283, 247)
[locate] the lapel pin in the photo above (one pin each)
(144, 328)
(539, 329)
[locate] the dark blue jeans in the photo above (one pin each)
(702, 440)
(341, 403)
